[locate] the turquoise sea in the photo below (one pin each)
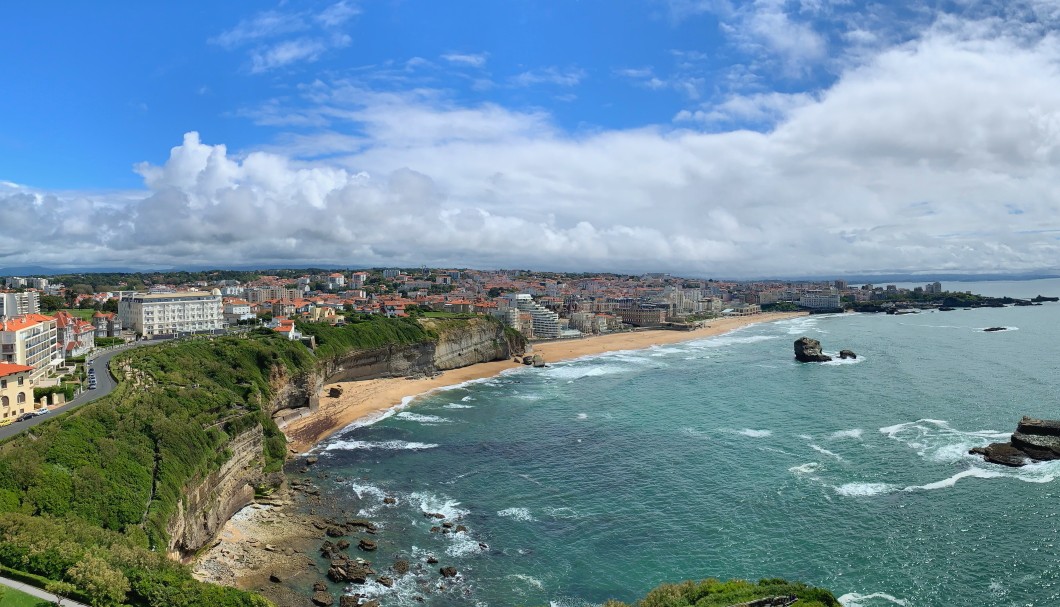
(605, 476)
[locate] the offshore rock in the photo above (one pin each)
(323, 599)
(992, 329)
(1035, 440)
(809, 351)
(844, 354)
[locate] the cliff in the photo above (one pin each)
(208, 503)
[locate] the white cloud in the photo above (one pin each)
(937, 154)
(268, 36)
(550, 75)
(468, 59)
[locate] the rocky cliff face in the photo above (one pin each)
(1035, 440)
(208, 505)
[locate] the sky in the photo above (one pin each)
(767, 138)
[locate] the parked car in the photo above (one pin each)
(40, 412)
(24, 417)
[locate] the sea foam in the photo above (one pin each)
(390, 445)
(421, 418)
(519, 514)
(755, 433)
(853, 599)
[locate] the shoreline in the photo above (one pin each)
(368, 401)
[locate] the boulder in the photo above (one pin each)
(844, 354)
(993, 329)
(401, 567)
(312, 459)
(431, 560)
(539, 361)
(324, 599)
(349, 601)
(343, 544)
(319, 587)
(335, 392)
(809, 351)
(385, 581)
(275, 578)
(367, 545)
(448, 571)
(389, 500)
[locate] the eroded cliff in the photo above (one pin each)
(208, 504)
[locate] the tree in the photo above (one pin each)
(60, 589)
(51, 303)
(104, 584)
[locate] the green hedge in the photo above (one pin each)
(715, 593)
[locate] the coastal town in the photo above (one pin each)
(47, 326)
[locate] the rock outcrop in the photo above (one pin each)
(809, 351)
(1035, 440)
(993, 329)
(844, 354)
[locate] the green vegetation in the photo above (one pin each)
(105, 567)
(106, 342)
(83, 314)
(363, 333)
(9, 597)
(66, 388)
(115, 470)
(781, 306)
(715, 593)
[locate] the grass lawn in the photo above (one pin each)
(16, 598)
(82, 314)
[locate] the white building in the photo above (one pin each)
(18, 304)
(30, 340)
(236, 310)
(819, 299)
(171, 313)
(545, 322)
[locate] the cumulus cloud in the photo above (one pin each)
(937, 154)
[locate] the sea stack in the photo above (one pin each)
(1035, 440)
(809, 351)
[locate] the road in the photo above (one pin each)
(40, 594)
(105, 384)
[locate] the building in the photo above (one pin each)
(75, 337)
(933, 288)
(30, 340)
(107, 324)
(643, 316)
(357, 279)
(336, 281)
(172, 313)
(262, 294)
(391, 273)
(236, 310)
(16, 391)
(17, 304)
(545, 322)
(819, 300)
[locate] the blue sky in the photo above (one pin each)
(710, 137)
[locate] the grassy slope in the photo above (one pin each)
(715, 593)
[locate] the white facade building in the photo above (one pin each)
(171, 313)
(818, 299)
(545, 322)
(19, 304)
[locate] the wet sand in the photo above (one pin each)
(366, 400)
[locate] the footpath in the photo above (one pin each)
(40, 594)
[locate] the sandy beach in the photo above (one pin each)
(369, 399)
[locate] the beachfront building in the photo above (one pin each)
(819, 299)
(643, 316)
(13, 303)
(30, 340)
(743, 309)
(16, 391)
(545, 322)
(172, 313)
(236, 310)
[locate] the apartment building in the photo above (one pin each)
(75, 337)
(16, 391)
(30, 340)
(172, 313)
(16, 304)
(545, 322)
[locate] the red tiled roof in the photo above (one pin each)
(11, 369)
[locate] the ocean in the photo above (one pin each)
(605, 476)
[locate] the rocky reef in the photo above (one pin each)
(809, 351)
(1035, 440)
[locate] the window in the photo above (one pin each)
(21, 397)
(21, 380)
(3, 384)
(5, 402)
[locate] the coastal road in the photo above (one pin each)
(40, 594)
(105, 384)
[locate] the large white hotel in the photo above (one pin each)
(171, 313)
